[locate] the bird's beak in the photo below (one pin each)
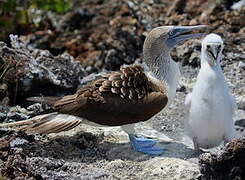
(214, 53)
(213, 62)
(183, 33)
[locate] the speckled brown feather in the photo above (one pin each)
(117, 98)
(129, 83)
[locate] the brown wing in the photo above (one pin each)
(117, 98)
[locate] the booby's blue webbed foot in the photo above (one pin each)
(145, 145)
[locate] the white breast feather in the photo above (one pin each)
(210, 110)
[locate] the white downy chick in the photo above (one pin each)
(210, 106)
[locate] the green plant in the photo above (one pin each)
(14, 13)
(58, 6)
(2, 177)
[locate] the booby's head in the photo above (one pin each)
(212, 46)
(162, 39)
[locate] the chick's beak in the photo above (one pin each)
(214, 53)
(213, 62)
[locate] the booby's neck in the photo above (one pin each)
(164, 69)
(160, 67)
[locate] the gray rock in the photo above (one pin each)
(35, 108)
(170, 168)
(238, 5)
(18, 142)
(48, 163)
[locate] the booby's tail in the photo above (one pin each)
(45, 124)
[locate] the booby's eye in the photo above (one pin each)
(208, 46)
(172, 33)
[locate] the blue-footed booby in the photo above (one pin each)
(210, 106)
(122, 98)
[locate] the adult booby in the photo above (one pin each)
(210, 106)
(121, 98)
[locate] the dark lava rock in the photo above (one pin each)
(16, 116)
(3, 112)
(16, 167)
(25, 156)
(2, 116)
(97, 35)
(240, 122)
(229, 165)
(31, 72)
(76, 20)
(17, 113)
(3, 91)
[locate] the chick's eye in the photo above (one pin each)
(208, 47)
(219, 47)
